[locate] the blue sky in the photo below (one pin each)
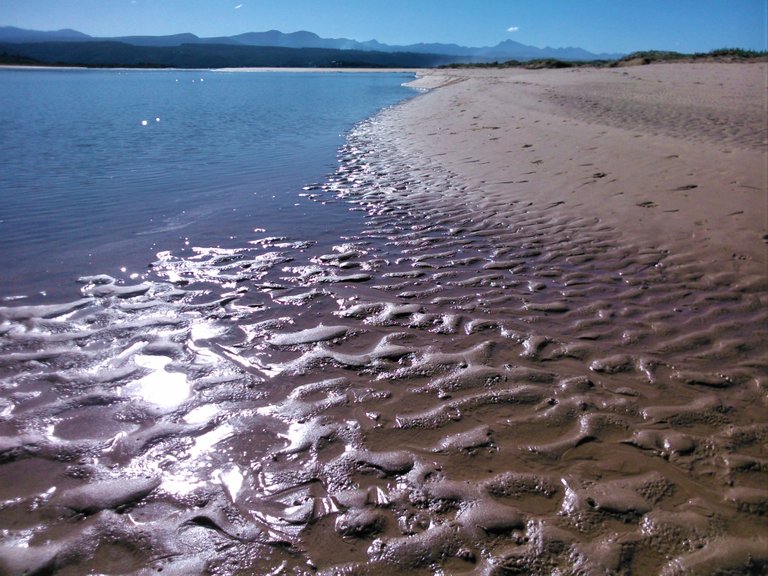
(596, 25)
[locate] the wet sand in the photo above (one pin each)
(546, 353)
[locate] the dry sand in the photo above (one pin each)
(546, 353)
(673, 154)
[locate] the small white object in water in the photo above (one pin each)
(144, 122)
(157, 118)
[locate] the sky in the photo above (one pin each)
(600, 26)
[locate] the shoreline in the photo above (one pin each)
(415, 71)
(673, 155)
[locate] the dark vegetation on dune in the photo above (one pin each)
(635, 58)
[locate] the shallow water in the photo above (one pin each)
(103, 169)
(445, 391)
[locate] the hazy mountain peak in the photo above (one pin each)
(14, 34)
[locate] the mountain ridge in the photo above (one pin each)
(504, 50)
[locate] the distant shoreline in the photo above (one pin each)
(632, 60)
(245, 69)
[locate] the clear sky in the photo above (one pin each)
(595, 25)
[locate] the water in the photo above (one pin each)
(103, 169)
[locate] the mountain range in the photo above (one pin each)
(503, 51)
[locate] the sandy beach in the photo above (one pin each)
(616, 223)
(545, 353)
(673, 154)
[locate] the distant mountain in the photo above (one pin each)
(506, 50)
(13, 34)
(301, 39)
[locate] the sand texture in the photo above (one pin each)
(671, 153)
(546, 353)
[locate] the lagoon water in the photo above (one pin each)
(103, 169)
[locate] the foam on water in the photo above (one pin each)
(446, 392)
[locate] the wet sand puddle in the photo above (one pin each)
(451, 392)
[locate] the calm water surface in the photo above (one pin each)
(103, 169)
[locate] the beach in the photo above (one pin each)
(544, 353)
(594, 243)
(673, 154)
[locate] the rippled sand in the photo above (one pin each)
(480, 382)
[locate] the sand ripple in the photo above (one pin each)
(453, 391)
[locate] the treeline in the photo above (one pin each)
(118, 54)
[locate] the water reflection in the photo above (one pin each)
(190, 470)
(161, 387)
(231, 479)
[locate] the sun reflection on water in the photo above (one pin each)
(193, 468)
(231, 478)
(160, 387)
